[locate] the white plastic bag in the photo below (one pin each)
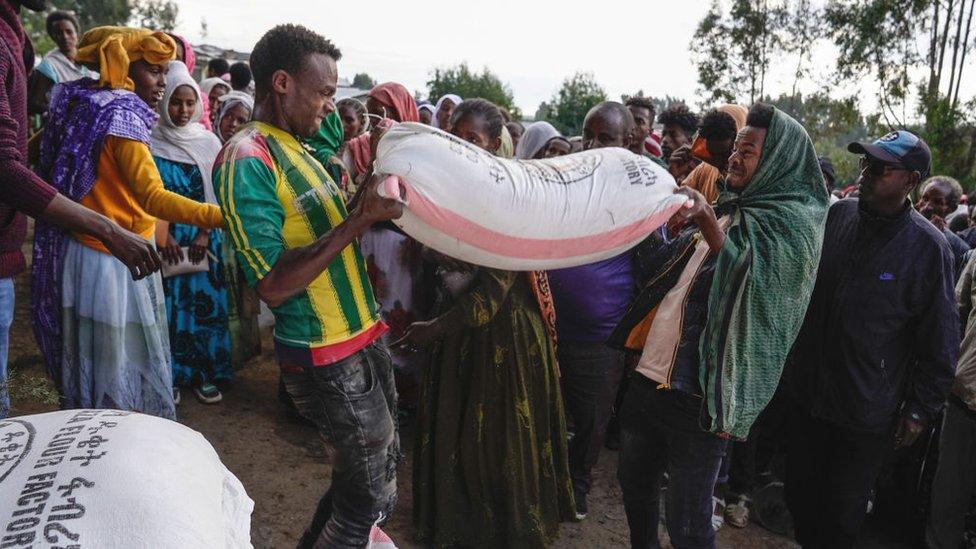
(108, 478)
(522, 214)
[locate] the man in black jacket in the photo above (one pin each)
(877, 352)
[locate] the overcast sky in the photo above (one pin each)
(532, 45)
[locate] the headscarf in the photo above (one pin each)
(207, 86)
(228, 102)
(456, 99)
(507, 148)
(536, 137)
(111, 49)
(397, 97)
(705, 177)
(189, 58)
(763, 278)
(427, 107)
(190, 144)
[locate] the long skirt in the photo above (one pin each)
(196, 306)
(491, 460)
(116, 347)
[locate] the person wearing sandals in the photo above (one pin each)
(193, 279)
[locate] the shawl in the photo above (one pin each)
(228, 102)
(58, 68)
(326, 142)
(396, 97)
(536, 136)
(190, 144)
(80, 117)
(111, 49)
(763, 279)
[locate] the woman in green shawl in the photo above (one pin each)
(491, 457)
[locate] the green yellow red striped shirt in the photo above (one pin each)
(275, 196)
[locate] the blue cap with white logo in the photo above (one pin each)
(898, 148)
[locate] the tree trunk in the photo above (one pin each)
(933, 43)
(965, 50)
(955, 49)
(942, 47)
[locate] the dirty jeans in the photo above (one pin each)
(353, 404)
(6, 319)
(660, 432)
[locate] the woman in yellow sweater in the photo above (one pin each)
(104, 335)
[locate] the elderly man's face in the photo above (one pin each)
(935, 201)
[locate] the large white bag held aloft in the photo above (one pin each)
(522, 214)
(106, 478)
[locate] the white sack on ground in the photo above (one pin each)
(108, 478)
(523, 214)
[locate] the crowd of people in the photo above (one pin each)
(774, 319)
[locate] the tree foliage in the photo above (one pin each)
(577, 95)
(733, 51)
(363, 81)
(155, 14)
(460, 80)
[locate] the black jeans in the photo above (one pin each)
(590, 374)
(353, 404)
(660, 432)
(829, 474)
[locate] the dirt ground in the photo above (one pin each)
(283, 464)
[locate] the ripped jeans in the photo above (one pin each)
(353, 404)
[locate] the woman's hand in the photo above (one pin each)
(199, 246)
(419, 335)
(170, 250)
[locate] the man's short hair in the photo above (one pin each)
(286, 47)
(760, 116)
(56, 16)
(643, 103)
(717, 126)
(955, 189)
(618, 109)
(219, 66)
(681, 116)
(240, 76)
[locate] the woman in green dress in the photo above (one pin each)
(490, 459)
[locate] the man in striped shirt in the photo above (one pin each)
(296, 245)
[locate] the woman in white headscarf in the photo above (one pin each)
(444, 109)
(212, 89)
(233, 111)
(541, 140)
(196, 295)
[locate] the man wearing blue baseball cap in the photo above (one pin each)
(877, 352)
